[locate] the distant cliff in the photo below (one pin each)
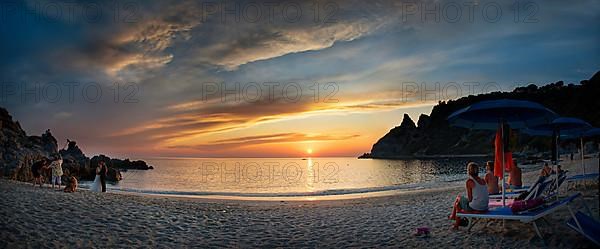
(433, 136)
(19, 151)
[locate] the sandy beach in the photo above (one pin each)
(44, 218)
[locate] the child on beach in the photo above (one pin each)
(477, 197)
(491, 179)
(57, 171)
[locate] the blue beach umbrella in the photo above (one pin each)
(563, 127)
(486, 115)
(592, 132)
(491, 114)
(566, 126)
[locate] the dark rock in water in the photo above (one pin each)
(123, 164)
(434, 136)
(19, 151)
(76, 163)
(365, 155)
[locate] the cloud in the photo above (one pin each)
(136, 41)
(237, 142)
(187, 122)
(273, 42)
(169, 50)
(63, 115)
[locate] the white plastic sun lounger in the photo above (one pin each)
(505, 213)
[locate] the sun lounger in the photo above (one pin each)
(505, 213)
(574, 180)
(553, 187)
(543, 186)
(586, 226)
(519, 189)
(534, 191)
(592, 176)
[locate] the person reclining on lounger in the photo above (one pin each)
(546, 171)
(477, 197)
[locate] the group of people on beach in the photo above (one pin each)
(45, 164)
(478, 189)
(54, 165)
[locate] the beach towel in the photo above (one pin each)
(523, 205)
(499, 143)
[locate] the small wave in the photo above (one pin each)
(329, 192)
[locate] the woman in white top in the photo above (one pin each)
(477, 197)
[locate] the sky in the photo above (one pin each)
(272, 78)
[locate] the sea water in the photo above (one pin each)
(288, 177)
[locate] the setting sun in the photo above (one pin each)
(309, 151)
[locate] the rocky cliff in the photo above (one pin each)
(19, 151)
(433, 136)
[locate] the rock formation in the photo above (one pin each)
(433, 135)
(19, 151)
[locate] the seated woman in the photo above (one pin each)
(515, 177)
(477, 197)
(491, 179)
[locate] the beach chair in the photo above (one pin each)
(553, 188)
(530, 216)
(591, 176)
(582, 178)
(544, 186)
(516, 192)
(538, 192)
(534, 191)
(586, 226)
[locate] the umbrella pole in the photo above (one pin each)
(502, 165)
(557, 134)
(582, 158)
